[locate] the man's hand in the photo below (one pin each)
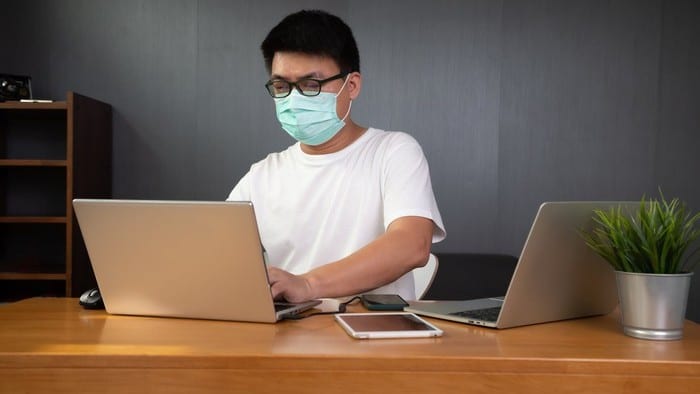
(290, 287)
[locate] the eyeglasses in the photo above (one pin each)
(279, 88)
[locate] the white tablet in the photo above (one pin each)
(386, 325)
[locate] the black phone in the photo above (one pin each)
(383, 302)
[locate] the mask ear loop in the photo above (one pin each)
(338, 94)
(347, 113)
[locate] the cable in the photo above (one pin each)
(341, 309)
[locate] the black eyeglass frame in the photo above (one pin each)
(295, 85)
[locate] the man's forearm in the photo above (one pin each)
(405, 245)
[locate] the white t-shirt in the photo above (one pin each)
(316, 209)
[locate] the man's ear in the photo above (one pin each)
(354, 84)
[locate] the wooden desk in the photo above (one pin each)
(53, 345)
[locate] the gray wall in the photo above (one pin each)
(515, 102)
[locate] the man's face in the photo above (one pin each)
(292, 66)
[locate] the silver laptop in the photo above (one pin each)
(180, 259)
(557, 277)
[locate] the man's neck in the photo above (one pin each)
(344, 138)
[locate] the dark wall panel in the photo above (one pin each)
(678, 139)
(233, 110)
(23, 53)
(436, 77)
(139, 56)
(578, 106)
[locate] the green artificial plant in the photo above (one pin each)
(654, 239)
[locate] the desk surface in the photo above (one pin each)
(52, 342)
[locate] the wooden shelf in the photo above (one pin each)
(50, 154)
(32, 163)
(33, 219)
(31, 276)
(18, 105)
(31, 270)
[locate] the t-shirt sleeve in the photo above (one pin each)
(406, 185)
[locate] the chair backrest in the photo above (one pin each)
(423, 276)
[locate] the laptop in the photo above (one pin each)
(188, 259)
(557, 276)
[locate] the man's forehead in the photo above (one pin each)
(302, 65)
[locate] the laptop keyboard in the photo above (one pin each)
(280, 306)
(487, 314)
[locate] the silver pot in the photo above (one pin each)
(652, 306)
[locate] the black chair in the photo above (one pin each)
(463, 276)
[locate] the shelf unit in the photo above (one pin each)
(50, 153)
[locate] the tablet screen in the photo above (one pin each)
(386, 325)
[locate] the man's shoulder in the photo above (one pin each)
(389, 143)
(275, 159)
(391, 137)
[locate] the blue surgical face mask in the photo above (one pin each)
(310, 120)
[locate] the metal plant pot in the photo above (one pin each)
(652, 306)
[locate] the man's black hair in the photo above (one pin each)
(313, 32)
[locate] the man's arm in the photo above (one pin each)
(404, 246)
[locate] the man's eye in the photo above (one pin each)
(308, 85)
(280, 86)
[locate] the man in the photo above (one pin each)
(347, 209)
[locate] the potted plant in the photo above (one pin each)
(648, 247)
